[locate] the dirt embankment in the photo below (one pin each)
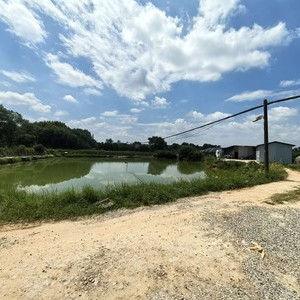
(196, 248)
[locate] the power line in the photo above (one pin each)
(284, 99)
(231, 116)
(186, 136)
(210, 123)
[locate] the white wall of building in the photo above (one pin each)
(278, 152)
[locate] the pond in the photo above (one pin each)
(63, 173)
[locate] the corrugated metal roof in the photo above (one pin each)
(276, 142)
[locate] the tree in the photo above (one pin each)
(39, 149)
(85, 138)
(188, 152)
(14, 130)
(157, 143)
(10, 123)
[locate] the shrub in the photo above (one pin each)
(165, 154)
(190, 153)
(39, 149)
(229, 165)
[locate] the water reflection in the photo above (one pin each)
(188, 168)
(43, 172)
(157, 167)
(61, 174)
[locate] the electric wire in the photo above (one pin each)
(231, 116)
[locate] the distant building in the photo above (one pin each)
(239, 152)
(278, 152)
(219, 153)
(211, 151)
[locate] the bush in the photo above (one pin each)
(165, 154)
(39, 149)
(190, 153)
(229, 165)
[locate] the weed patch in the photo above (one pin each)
(292, 196)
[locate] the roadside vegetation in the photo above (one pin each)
(19, 206)
(292, 196)
(295, 167)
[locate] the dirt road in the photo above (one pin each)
(196, 248)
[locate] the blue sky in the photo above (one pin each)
(128, 70)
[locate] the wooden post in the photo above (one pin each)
(266, 136)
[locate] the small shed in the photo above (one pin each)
(278, 152)
(239, 152)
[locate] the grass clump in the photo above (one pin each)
(19, 206)
(292, 196)
(295, 167)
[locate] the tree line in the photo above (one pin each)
(17, 131)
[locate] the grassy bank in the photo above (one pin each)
(22, 154)
(17, 159)
(17, 206)
(102, 153)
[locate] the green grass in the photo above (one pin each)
(295, 167)
(292, 196)
(19, 206)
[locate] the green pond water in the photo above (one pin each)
(63, 173)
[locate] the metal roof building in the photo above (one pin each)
(278, 152)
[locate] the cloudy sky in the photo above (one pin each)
(128, 70)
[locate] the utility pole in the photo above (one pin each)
(266, 136)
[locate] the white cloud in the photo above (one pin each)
(288, 83)
(69, 75)
(22, 22)
(241, 131)
(281, 113)
(27, 99)
(122, 118)
(250, 96)
(48, 7)
(142, 103)
(200, 117)
(6, 84)
(135, 110)
(18, 77)
(103, 130)
(83, 123)
(158, 102)
(35, 119)
(61, 113)
(127, 119)
(92, 91)
(139, 51)
(215, 12)
(262, 94)
(70, 98)
(113, 113)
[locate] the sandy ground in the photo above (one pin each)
(161, 252)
